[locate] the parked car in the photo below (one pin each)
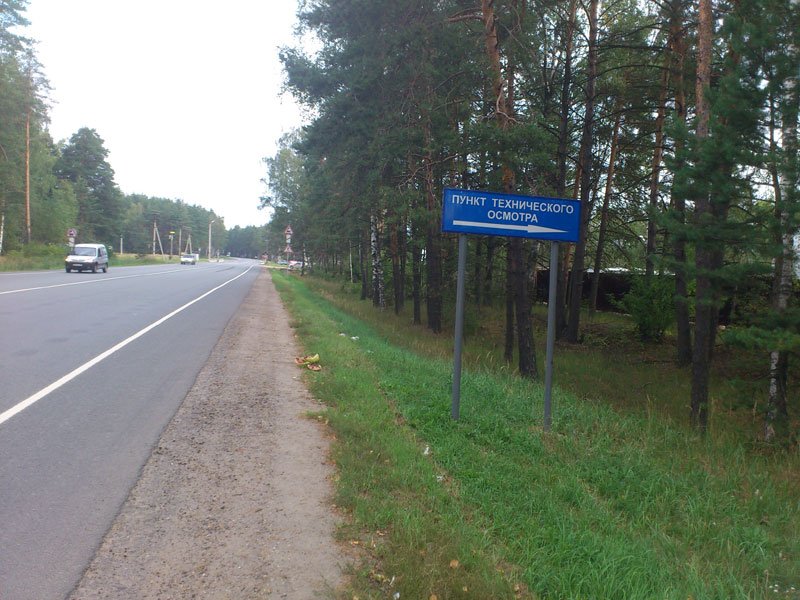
(189, 259)
(87, 256)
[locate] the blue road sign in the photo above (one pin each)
(490, 213)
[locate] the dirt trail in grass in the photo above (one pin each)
(235, 501)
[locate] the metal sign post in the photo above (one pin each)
(462, 267)
(551, 335)
(488, 213)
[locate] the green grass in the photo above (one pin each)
(50, 259)
(33, 257)
(610, 504)
(611, 365)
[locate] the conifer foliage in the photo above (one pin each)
(674, 123)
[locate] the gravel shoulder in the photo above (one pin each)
(235, 501)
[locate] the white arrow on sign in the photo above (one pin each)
(527, 228)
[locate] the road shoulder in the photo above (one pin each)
(235, 500)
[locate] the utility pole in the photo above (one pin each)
(155, 230)
(28, 175)
(208, 250)
(29, 108)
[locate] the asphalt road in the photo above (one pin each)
(92, 368)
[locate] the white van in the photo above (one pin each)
(87, 256)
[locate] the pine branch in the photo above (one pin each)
(469, 14)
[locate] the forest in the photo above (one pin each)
(674, 123)
(50, 186)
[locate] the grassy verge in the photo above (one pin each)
(610, 504)
(18, 261)
(132, 260)
(611, 364)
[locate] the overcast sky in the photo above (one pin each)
(186, 94)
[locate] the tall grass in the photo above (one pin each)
(611, 364)
(39, 257)
(610, 504)
(33, 257)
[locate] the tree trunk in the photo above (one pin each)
(433, 254)
(416, 279)
(683, 327)
(508, 350)
(526, 341)
(378, 286)
(655, 173)
(362, 265)
(491, 245)
(402, 233)
(776, 418)
(561, 183)
(576, 283)
(563, 126)
(484, 296)
(527, 353)
(477, 278)
(601, 235)
(704, 259)
(504, 111)
(397, 278)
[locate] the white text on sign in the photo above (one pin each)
(504, 207)
(514, 204)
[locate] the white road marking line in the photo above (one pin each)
(5, 416)
(98, 280)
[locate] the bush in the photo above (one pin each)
(38, 250)
(33, 257)
(650, 303)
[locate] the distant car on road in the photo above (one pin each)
(87, 256)
(189, 259)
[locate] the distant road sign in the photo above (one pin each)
(490, 213)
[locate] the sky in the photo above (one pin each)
(186, 94)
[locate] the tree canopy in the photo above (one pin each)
(674, 123)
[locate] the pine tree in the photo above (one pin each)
(83, 162)
(769, 47)
(725, 143)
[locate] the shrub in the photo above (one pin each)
(650, 303)
(38, 250)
